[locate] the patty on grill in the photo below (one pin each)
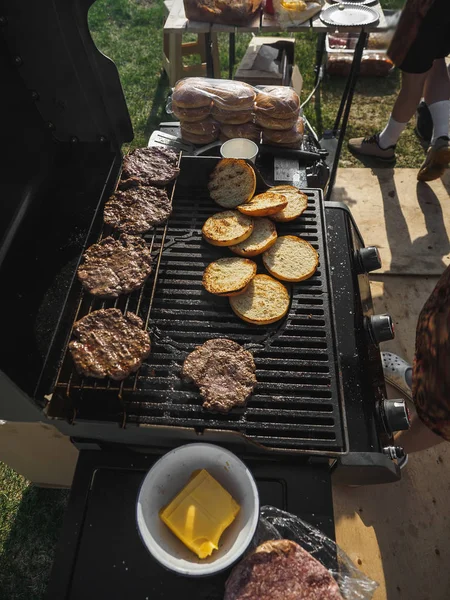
(281, 570)
(109, 344)
(137, 209)
(151, 166)
(113, 267)
(224, 372)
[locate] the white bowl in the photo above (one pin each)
(239, 148)
(162, 483)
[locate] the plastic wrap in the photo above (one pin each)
(226, 12)
(209, 108)
(278, 524)
(372, 65)
(290, 13)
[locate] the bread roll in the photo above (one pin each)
(228, 276)
(265, 301)
(278, 101)
(227, 228)
(231, 117)
(231, 95)
(228, 12)
(198, 139)
(250, 131)
(206, 127)
(191, 93)
(291, 259)
(191, 114)
(267, 121)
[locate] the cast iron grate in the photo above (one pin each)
(297, 404)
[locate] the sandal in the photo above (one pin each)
(395, 370)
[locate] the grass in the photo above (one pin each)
(130, 32)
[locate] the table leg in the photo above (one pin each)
(344, 108)
(231, 54)
(209, 57)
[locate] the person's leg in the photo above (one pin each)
(418, 437)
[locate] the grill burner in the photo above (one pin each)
(296, 405)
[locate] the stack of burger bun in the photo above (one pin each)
(277, 110)
(192, 106)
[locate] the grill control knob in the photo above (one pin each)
(369, 259)
(394, 452)
(395, 415)
(381, 328)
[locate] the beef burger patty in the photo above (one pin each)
(137, 209)
(151, 166)
(113, 267)
(281, 570)
(224, 372)
(109, 344)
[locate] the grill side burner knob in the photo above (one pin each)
(381, 328)
(369, 259)
(395, 415)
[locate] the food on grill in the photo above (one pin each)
(250, 131)
(263, 236)
(291, 259)
(151, 166)
(206, 127)
(113, 267)
(227, 228)
(189, 93)
(228, 276)
(265, 301)
(232, 182)
(200, 533)
(109, 344)
(199, 139)
(224, 372)
(191, 114)
(137, 209)
(297, 203)
(231, 117)
(262, 205)
(226, 12)
(281, 570)
(278, 101)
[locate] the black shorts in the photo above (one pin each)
(432, 41)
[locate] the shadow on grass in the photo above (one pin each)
(158, 111)
(27, 556)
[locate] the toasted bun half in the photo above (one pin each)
(291, 259)
(228, 276)
(265, 301)
(263, 236)
(227, 228)
(297, 203)
(232, 182)
(264, 204)
(190, 115)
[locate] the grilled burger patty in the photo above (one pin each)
(137, 209)
(109, 344)
(151, 166)
(281, 570)
(224, 372)
(113, 267)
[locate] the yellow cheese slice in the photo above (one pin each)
(200, 513)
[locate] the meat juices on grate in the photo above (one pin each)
(224, 372)
(113, 267)
(109, 344)
(137, 209)
(281, 570)
(151, 166)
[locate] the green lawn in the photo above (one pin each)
(130, 32)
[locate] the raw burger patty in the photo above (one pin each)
(224, 372)
(113, 267)
(137, 209)
(109, 344)
(151, 166)
(281, 570)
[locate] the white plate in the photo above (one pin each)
(352, 15)
(363, 2)
(163, 482)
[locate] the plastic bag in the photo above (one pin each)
(278, 524)
(212, 108)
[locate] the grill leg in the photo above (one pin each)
(231, 55)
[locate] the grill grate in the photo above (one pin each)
(297, 403)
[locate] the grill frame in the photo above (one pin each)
(86, 400)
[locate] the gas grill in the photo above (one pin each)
(319, 409)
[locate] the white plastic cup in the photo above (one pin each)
(239, 148)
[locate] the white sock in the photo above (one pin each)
(390, 134)
(440, 113)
